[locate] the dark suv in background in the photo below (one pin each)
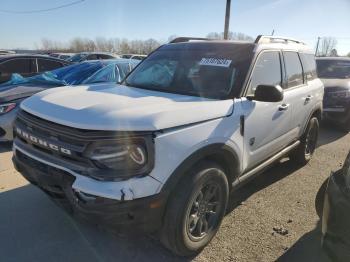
(335, 75)
(27, 65)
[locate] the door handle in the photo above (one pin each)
(283, 107)
(308, 99)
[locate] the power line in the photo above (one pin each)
(42, 10)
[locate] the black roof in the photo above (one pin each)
(208, 44)
(7, 57)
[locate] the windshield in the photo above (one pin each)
(333, 68)
(77, 58)
(210, 71)
(114, 72)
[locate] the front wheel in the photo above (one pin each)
(195, 210)
(308, 142)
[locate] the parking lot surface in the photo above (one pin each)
(272, 218)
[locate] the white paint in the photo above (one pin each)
(114, 107)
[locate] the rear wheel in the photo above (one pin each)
(308, 142)
(195, 210)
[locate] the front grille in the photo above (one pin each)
(52, 134)
(74, 140)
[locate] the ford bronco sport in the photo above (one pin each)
(161, 152)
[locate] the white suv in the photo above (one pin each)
(162, 151)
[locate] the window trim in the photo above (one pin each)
(251, 70)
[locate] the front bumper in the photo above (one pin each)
(6, 125)
(336, 110)
(141, 214)
(336, 220)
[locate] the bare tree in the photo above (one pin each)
(231, 36)
(326, 46)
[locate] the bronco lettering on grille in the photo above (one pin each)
(42, 142)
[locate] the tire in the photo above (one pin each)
(195, 210)
(319, 200)
(308, 142)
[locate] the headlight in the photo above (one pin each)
(5, 108)
(340, 94)
(123, 158)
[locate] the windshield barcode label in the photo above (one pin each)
(215, 62)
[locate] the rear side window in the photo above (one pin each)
(294, 69)
(48, 65)
(92, 57)
(267, 71)
(20, 66)
(102, 56)
(309, 65)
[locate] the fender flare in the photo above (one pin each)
(318, 107)
(221, 152)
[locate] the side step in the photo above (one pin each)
(255, 171)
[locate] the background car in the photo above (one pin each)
(133, 56)
(80, 57)
(15, 91)
(335, 75)
(63, 56)
(27, 65)
(333, 207)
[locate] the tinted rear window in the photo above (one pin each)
(333, 68)
(48, 65)
(18, 65)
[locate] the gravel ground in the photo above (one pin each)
(271, 219)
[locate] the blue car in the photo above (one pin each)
(13, 92)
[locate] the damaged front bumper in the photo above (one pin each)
(113, 204)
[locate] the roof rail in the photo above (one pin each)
(187, 39)
(276, 39)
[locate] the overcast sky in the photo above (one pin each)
(143, 19)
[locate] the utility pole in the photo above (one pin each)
(318, 42)
(227, 18)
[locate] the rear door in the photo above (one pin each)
(267, 125)
(297, 89)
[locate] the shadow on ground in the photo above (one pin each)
(33, 228)
(307, 248)
(270, 176)
(329, 133)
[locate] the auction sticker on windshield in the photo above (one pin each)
(215, 62)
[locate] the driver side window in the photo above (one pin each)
(267, 71)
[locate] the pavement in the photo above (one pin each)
(270, 219)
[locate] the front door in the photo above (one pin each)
(267, 124)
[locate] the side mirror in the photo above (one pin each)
(268, 93)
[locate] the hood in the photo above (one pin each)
(338, 84)
(120, 108)
(12, 93)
